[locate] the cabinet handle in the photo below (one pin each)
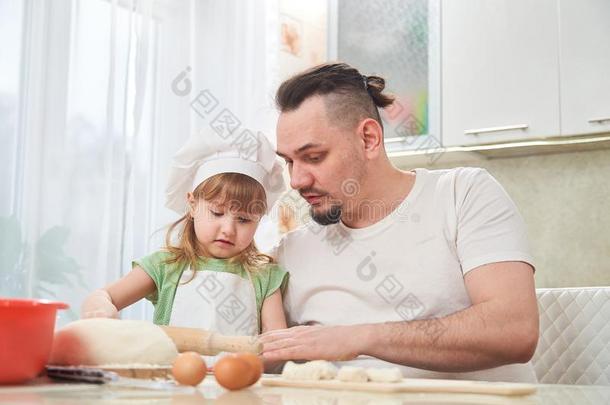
(495, 129)
(599, 120)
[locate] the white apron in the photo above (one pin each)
(216, 301)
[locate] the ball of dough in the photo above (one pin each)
(328, 371)
(352, 374)
(312, 370)
(111, 342)
(386, 375)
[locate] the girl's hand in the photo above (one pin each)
(99, 305)
(108, 301)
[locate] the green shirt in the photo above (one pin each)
(166, 277)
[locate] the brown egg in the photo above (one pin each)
(189, 368)
(256, 365)
(233, 373)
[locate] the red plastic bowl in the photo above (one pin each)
(26, 337)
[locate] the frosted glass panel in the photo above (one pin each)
(391, 38)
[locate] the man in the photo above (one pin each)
(429, 270)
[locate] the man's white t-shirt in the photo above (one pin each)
(410, 265)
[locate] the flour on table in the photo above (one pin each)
(103, 342)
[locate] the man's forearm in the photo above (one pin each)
(472, 339)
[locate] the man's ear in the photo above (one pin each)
(372, 137)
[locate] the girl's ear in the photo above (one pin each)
(192, 203)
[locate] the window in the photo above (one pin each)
(395, 39)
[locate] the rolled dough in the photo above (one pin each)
(111, 342)
(312, 370)
(352, 374)
(392, 374)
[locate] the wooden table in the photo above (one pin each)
(44, 391)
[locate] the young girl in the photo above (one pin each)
(212, 277)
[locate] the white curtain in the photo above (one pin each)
(92, 106)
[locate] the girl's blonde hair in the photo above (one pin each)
(239, 192)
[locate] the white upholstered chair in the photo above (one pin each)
(574, 344)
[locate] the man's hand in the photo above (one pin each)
(501, 327)
(336, 343)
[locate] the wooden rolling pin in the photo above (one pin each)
(210, 343)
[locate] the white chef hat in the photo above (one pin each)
(207, 153)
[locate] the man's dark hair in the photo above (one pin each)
(349, 95)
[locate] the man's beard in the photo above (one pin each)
(328, 217)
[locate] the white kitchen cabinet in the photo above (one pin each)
(500, 76)
(584, 66)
